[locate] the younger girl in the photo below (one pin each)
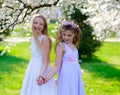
(39, 63)
(69, 75)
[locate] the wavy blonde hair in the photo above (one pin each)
(76, 31)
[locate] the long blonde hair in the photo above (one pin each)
(44, 31)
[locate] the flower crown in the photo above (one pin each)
(71, 23)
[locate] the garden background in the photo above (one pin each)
(101, 73)
(98, 19)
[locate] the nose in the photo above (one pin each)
(66, 37)
(38, 25)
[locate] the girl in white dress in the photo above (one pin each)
(67, 64)
(39, 62)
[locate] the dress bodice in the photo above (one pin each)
(70, 55)
(35, 49)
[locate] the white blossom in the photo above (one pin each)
(104, 15)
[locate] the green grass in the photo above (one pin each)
(12, 68)
(101, 73)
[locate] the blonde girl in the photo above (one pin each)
(39, 62)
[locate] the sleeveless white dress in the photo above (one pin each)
(30, 86)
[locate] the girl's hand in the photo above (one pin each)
(40, 80)
(45, 79)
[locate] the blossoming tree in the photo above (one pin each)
(104, 14)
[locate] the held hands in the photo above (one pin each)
(41, 80)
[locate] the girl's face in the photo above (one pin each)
(38, 25)
(68, 36)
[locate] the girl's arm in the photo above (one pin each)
(45, 53)
(59, 54)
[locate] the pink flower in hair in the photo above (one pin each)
(71, 23)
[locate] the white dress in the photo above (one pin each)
(30, 86)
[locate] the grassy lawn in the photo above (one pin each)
(12, 68)
(101, 73)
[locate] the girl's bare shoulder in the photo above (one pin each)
(61, 46)
(45, 37)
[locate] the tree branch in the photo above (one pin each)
(27, 12)
(47, 5)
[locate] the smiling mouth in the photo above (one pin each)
(66, 40)
(37, 29)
